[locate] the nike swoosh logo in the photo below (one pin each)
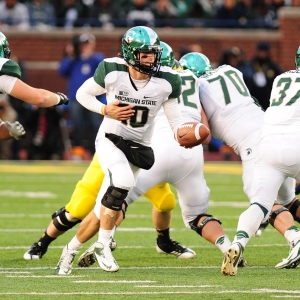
(183, 135)
(145, 97)
(108, 267)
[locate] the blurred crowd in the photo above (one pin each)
(69, 132)
(44, 14)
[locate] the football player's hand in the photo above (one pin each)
(63, 99)
(118, 111)
(15, 129)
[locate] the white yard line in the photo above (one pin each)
(167, 293)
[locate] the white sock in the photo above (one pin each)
(292, 234)
(74, 244)
(104, 235)
(249, 222)
(223, 243)
(114, 231)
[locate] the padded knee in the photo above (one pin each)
(198, 228)
(161, 197)
(61, 222)
(293, 210)
(275, 213)
(114, 198)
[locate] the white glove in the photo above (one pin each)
(16, 130)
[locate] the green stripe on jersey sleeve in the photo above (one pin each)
(174, 80)
(11, 68)
(106, 67)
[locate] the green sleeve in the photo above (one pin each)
(174, 80)
(100, 74)
(11, 68)
(176, 87)
(106, 67)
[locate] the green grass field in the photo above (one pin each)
(31, 192)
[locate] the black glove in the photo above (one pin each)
(63, 99)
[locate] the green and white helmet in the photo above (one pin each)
(167, 56)
(297, 59)
(4, 47)
(198, 63)
(141, 39)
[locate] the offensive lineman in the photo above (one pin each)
(10, 82)
(230, 109)
(278, 158)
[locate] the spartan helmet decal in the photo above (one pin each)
(4, 47)
(198, 63)
(141, 39)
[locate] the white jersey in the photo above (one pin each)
(182, 168)
(189, 103)
(112, 74)
(283, 115)
(231, 111)
(162, 90)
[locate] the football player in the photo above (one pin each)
(278, 157)
(10, 82)
(124, 148)
(183, 168)
(189, 181)
(29, 254)
(83, 200)
(235, 118)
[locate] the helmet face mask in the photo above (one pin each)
(137, 40)
(167, 56)
(198, 63)
(297, 59)
(4, 47)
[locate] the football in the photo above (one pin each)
(191, 134)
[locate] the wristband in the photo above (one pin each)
(58, 99)
(103, 110)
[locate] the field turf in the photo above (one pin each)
(31, 192)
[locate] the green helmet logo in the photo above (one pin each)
(167, 56)
(141, 39)
(297, 59)
(4, 47)
(198, 63)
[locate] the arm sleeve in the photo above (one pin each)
(86, 95)
(173, 113)
(7, 83)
